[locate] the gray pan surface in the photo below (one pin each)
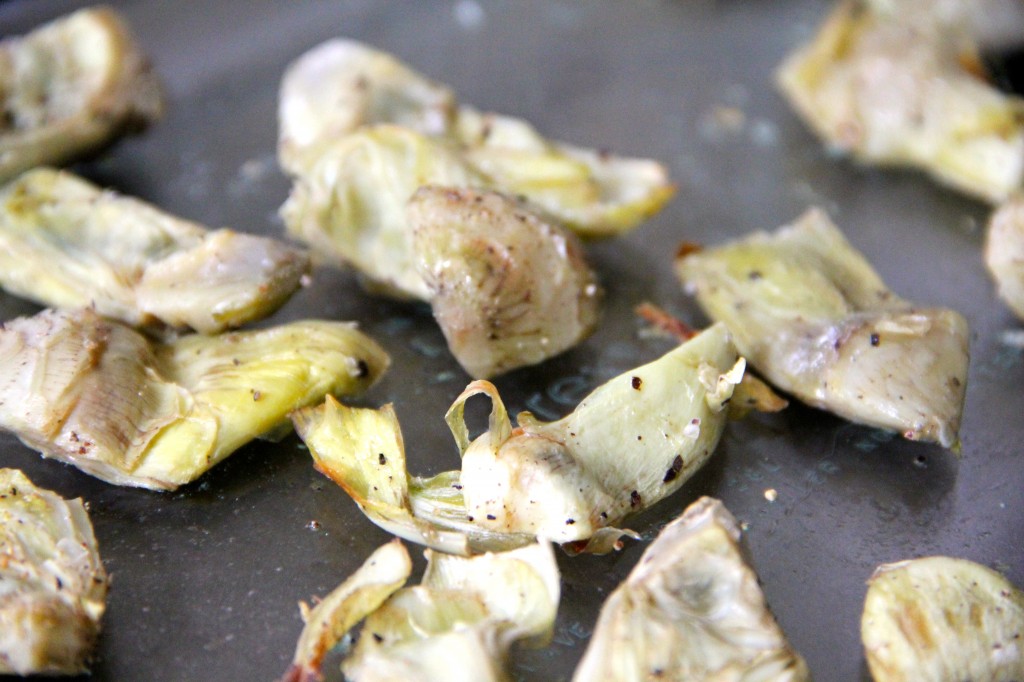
(206, 579)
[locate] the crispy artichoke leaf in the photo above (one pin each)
(1004, 253)
(891, 87)
(69, 88)
(508, 288)
(100, 396)
(629, 444)
(52, 583)
(812, 316)
(460, 622)
(691, 609)
(380, 576)
(939, 618)
(66, 243)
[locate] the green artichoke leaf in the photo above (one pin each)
(939, 618)
(470, 610)
(691, 609)
(630, 443)
(508, 288)
(362, 593)
(892, 85)
(812, 316)
(66, 243)
(133, 411)
(52, 583)
(1004, 252)
(70, 87)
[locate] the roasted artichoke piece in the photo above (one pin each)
(361, 594)
(52, 584)
(508, 288)
(892, 85)
(457, 624)
(691, 609)
(66, 243)
(69, 88)
(1004, 253)
(349, 194)
(131, 411)
(630, 443)
(813, 317)
(937, 619)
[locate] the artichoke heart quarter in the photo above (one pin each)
(890, 84)
(132, 411)
(52, 583)
(508, 288)
(812, 316)
(691, 609)
(938, 618)
(629, 444)
(66, 243)
(69, 88)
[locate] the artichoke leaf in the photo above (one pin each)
(691, 609)
(70, 87)
(52, 583)
(508, 288)
(380, 576)
(466, 610)
(1004, 252)
(813, 318)
(132, 411)
(940, 618)
(630, 443)
(891, 85)
(66, 243)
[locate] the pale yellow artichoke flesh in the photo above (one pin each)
(132, 411)
(812, 316)
(938, 619)
(69, 88)
(691, 609)
(629, 444)
(52, 583)
(1004, 253)
(66, 243)
(508, 288)
(889, 84)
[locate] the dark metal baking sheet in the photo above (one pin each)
(206, 580)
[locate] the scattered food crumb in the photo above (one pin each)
(771, 494)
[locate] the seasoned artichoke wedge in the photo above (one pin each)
(890, 86)
(361, 594)
(462, 619)
(630, 443)
(508, 288)
(66, 243)
(52, 583)
(131, 411)
(691, 609)
(69, 88)
(1004, 253)
(813, 317)
(938, 619)
(360, 132)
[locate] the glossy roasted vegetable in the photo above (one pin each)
(131, 411)
(890, 84)
(66, 243)
(69, 88)
(938, 619)
(813, 317)
(630, 443)
(1004, 253)
(691, 609)
(457, 624)
(52, 583)
(508, 288)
